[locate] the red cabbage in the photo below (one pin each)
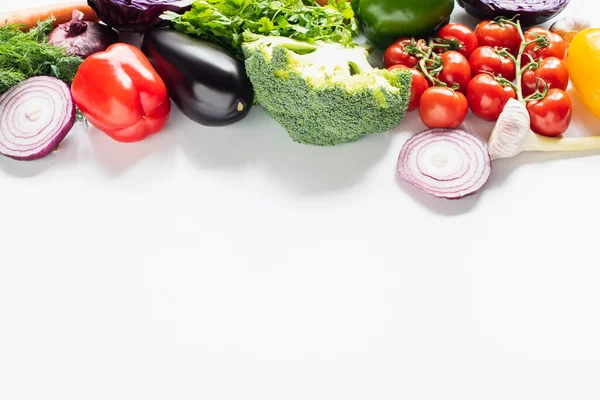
(136, 15)
(531, 12)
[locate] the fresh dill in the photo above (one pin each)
(27, 54)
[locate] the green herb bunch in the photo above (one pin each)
(224, 21)
(27, 54)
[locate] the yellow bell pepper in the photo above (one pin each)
(583, 62)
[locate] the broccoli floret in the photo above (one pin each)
(324, 93)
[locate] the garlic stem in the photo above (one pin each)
(543, 143)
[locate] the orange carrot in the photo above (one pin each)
(62, 12)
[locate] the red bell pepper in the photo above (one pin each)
(119, 92)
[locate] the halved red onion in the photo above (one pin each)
(35, 116)
(447, 163)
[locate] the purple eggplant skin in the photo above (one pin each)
(530, 13)
(208, 84)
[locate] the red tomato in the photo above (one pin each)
(441, 107)
(552, 70)
(396, 54)
(552, 115)
(456, 69)
(485, 59)
(557, 47)
(487, 97)
(418, 86)
(467, 41)
(493, 34)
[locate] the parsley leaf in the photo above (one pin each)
(223, 21)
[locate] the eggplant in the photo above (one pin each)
(530, 12)
(207, 84)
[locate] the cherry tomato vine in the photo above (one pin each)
(528, 66)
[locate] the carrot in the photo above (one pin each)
(62, 12)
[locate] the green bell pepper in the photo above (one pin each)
(384, 21)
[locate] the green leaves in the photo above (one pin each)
(347, 12)
(267, 25)
(224, 21)
(27, 54)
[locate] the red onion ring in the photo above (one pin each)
(446, 163)
(35, 116)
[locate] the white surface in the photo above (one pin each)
(235, 264)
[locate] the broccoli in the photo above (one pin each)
(324, 93)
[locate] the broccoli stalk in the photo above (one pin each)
(324, 93)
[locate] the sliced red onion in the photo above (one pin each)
(35, 116)
(447, 163)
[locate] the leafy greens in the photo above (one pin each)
(27, 54)
(224, 21)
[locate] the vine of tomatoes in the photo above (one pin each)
(460, 69)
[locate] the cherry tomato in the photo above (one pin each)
(552, 115)
(485, 59)
(418, 86)
(441, 107)
(552, 70)
(462, 34)
(557, 47)
(487, 97)
(456, 69)
(396, 54)
(493, 34)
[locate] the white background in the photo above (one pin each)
(232, 263)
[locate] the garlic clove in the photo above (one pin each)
(511, 131)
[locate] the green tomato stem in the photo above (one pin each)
(422, 66)
(505, 82)
(517, 60)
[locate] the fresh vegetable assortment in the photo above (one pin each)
(305, 69)
(300, 61)
(518, 79)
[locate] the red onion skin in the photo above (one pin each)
(82, 38)
(57, 139)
